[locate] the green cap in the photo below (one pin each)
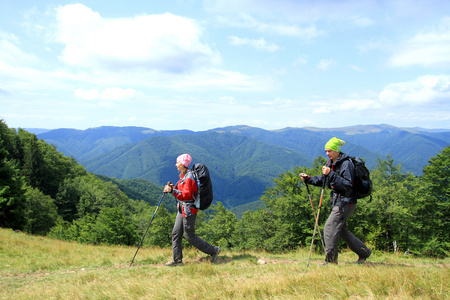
(334, 144)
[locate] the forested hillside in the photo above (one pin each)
(412, 147)
(240, 167)
(44, 192)
(86, 144)
(243, 160)
(141, 189)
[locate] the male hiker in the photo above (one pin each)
(185, 191)
(339, 175)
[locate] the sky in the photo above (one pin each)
(198, 65)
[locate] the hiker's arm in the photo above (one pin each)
(342, 181)
(187, 191)
(315, 180)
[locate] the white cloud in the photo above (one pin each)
(277, 28)
(11, 54)
(229, 100)
(340, 105)
(326, 64)
(259, 44)
(114, 93)
(8, 36)
(294, 10)
(426, 48)
(300, 60)
(221, 79)
(356, 68)
(363, 22)
(163, 42)
(146, 57)
(423, 90)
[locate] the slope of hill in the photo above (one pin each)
(241, 167)
(86, 144)
(410, 147)
(35, 267)
(243, 160)
(141, 189)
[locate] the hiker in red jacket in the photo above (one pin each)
(185, 191)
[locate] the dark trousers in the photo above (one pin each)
(186, 226)
(336, 228)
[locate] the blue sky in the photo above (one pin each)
(204, 64)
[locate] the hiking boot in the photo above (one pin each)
(173, 263)
(328, 262)
(361, 260)
(216, 253)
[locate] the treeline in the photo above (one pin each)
(44, 192)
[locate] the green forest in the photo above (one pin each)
(43, 192)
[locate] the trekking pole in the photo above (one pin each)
(140, 244)
(314, 212)
(317, 218)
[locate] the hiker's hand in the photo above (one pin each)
(325, 170)
(304, 176)
(168, 188)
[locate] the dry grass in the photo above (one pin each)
(40, 268)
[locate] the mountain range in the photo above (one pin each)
(242, 160)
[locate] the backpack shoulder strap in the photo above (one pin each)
(197, 196)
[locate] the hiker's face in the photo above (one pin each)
(180, 167)
(333, 155)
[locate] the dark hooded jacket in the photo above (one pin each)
(340, 180)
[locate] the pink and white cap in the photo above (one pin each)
(185, 159)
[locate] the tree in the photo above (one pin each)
(112, 227)
(33, 161)
(88, 194)
(287, 222)
(253, 230)
(41, 213)
(67, 199)
(44, 167)
(218, 230)
(291, 211)
(435, 213)
(12, 193)
(160, 231)
(389, 217)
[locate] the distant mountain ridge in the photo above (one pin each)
(243, 160)
(241, 167)
(86, 144)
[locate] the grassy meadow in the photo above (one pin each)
(34, 267)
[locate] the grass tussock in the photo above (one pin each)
(34, 267)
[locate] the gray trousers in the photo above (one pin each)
(186, 226)
(336, 228)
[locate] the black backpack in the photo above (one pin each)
(363, 184)
(204, 196)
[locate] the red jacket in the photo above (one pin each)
(185, 191)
